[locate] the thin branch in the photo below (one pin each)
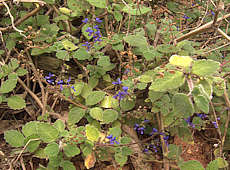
(18, 22)
(200, 29)
(12, 20)
(223, 34)
(31, 93)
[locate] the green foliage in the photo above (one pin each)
(14, 138)
(94, 97)
(75, 115)
(92, 133)
(71, 150)
(191, 165)
(168, 82)
(205, 67)
(16, 102)
(182, 105)
(52, 149)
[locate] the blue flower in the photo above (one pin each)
(98, 20)
(154, 130)
(112, 139)
(202, 116)
(125, 89)
(68, 81)
(213, 13)
(96, 27)
(72, 87)
(146, 121)
(49, 78)
(145, 150)
(188, 120)
(215, 124)
(139, 129)
(85, 20)
(185, 17)
(60, 82)
(121, 94)
(117, 82)
(87, 44)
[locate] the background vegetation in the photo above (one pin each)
(121, 84)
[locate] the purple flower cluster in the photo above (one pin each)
(139, 129)
(51, 78)
(112, 139)
(117, 82)
(151, 147)
(121, 94)
(189, 122)
(202, 116)
(95, 31)
(185, 17)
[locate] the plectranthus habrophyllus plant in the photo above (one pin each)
(93, 31)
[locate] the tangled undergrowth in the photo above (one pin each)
(121, 84)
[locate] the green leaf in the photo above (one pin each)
(98, 3)
(205, 67)
(126, 151)
(96, 113)
(109, 102)
(125, 140)
(52, 149)
(16, 102)
(133, 9)
(191, 165)
(150, 54)
(14, 138)
(92, 133)
(30, 128)
(168, 82)
(120, 158)
(202, 103)
(33, 144)
(141, 86)
(153, 95)
(136, 41)
(54, 162)
(145, 78)
(63, 55)
(78, 87)
(174, 151)
(8, 85)
(222, 163)
(115, 131)
(213, 165)
(127, 104)
(67, 165)
(182, 105)
(81, 54)
(109, 116)
(46, 132)
(71, 150)
(59, 125)
(21, 71)
(95, 97)
(75, 115)
(68, 45)
(182, 61)
(104, 61)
